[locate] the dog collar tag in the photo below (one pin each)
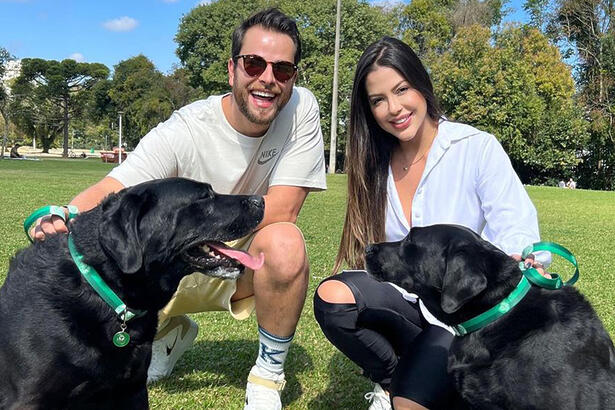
(121, 339)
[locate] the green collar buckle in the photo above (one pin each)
(556, 281)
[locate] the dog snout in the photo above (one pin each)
(254, 202)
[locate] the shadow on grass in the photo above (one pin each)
(346, 386)
(228, 362)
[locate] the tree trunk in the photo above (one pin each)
(65, 145)
(6, 132)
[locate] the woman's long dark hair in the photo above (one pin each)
(369, 149)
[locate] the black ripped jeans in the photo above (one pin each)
(389, 339)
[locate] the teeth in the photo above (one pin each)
(263, 94)
(400, 121)
(206, 248)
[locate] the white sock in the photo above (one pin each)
(272, 351)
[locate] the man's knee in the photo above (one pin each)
(284, 248)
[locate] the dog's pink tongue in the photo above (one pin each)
(242, 257)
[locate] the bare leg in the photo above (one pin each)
(280, 286)
(399, 403)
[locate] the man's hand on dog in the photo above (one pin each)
(48, 225)
(531, 262)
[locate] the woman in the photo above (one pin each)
(409, 166)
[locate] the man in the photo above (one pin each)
(262, 138)
(14, 151)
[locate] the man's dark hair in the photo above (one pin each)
(270, 19)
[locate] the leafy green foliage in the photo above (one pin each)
(518, 89)
(587, 25)
(144, 95)
(136, 89)
(49, 93)
(427, 26)
(5, 57)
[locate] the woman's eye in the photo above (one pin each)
(402, 90)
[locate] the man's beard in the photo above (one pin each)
(241, 96)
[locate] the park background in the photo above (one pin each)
(544, 86)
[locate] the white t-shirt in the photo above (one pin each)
(468, 180)
(197, 142)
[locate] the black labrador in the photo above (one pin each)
(56, 348)
(550, 351)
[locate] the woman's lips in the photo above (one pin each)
(402, 122)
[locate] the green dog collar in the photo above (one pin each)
(529, 275)
(121, 338)
(495, 312)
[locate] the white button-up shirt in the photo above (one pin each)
(468, 180)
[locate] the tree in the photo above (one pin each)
(589, 27)
(518, 89)
(35, 116)
(179, 90)
(5, 57)
(138, 89)
(537, 12)
(48, 86)
(485, 13)
(427, 26)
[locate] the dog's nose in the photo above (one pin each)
(255, 202)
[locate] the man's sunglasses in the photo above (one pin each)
(256, 65)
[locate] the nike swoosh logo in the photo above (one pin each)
(170, 348)
(263, 162)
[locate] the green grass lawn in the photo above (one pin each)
(212, 375)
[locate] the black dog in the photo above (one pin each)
(56, 348)
(548, 352)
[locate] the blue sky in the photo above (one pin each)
(105, 31)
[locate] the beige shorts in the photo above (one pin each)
(201, 293)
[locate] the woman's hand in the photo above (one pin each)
(48, 225)
(530, 262)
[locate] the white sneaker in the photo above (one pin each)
(264, 389)
(170, 343)
(379, 398)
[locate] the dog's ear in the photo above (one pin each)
(119, 230)
(462, 280)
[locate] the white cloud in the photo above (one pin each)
(121, 24)
(203, 2)
(78, 57)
